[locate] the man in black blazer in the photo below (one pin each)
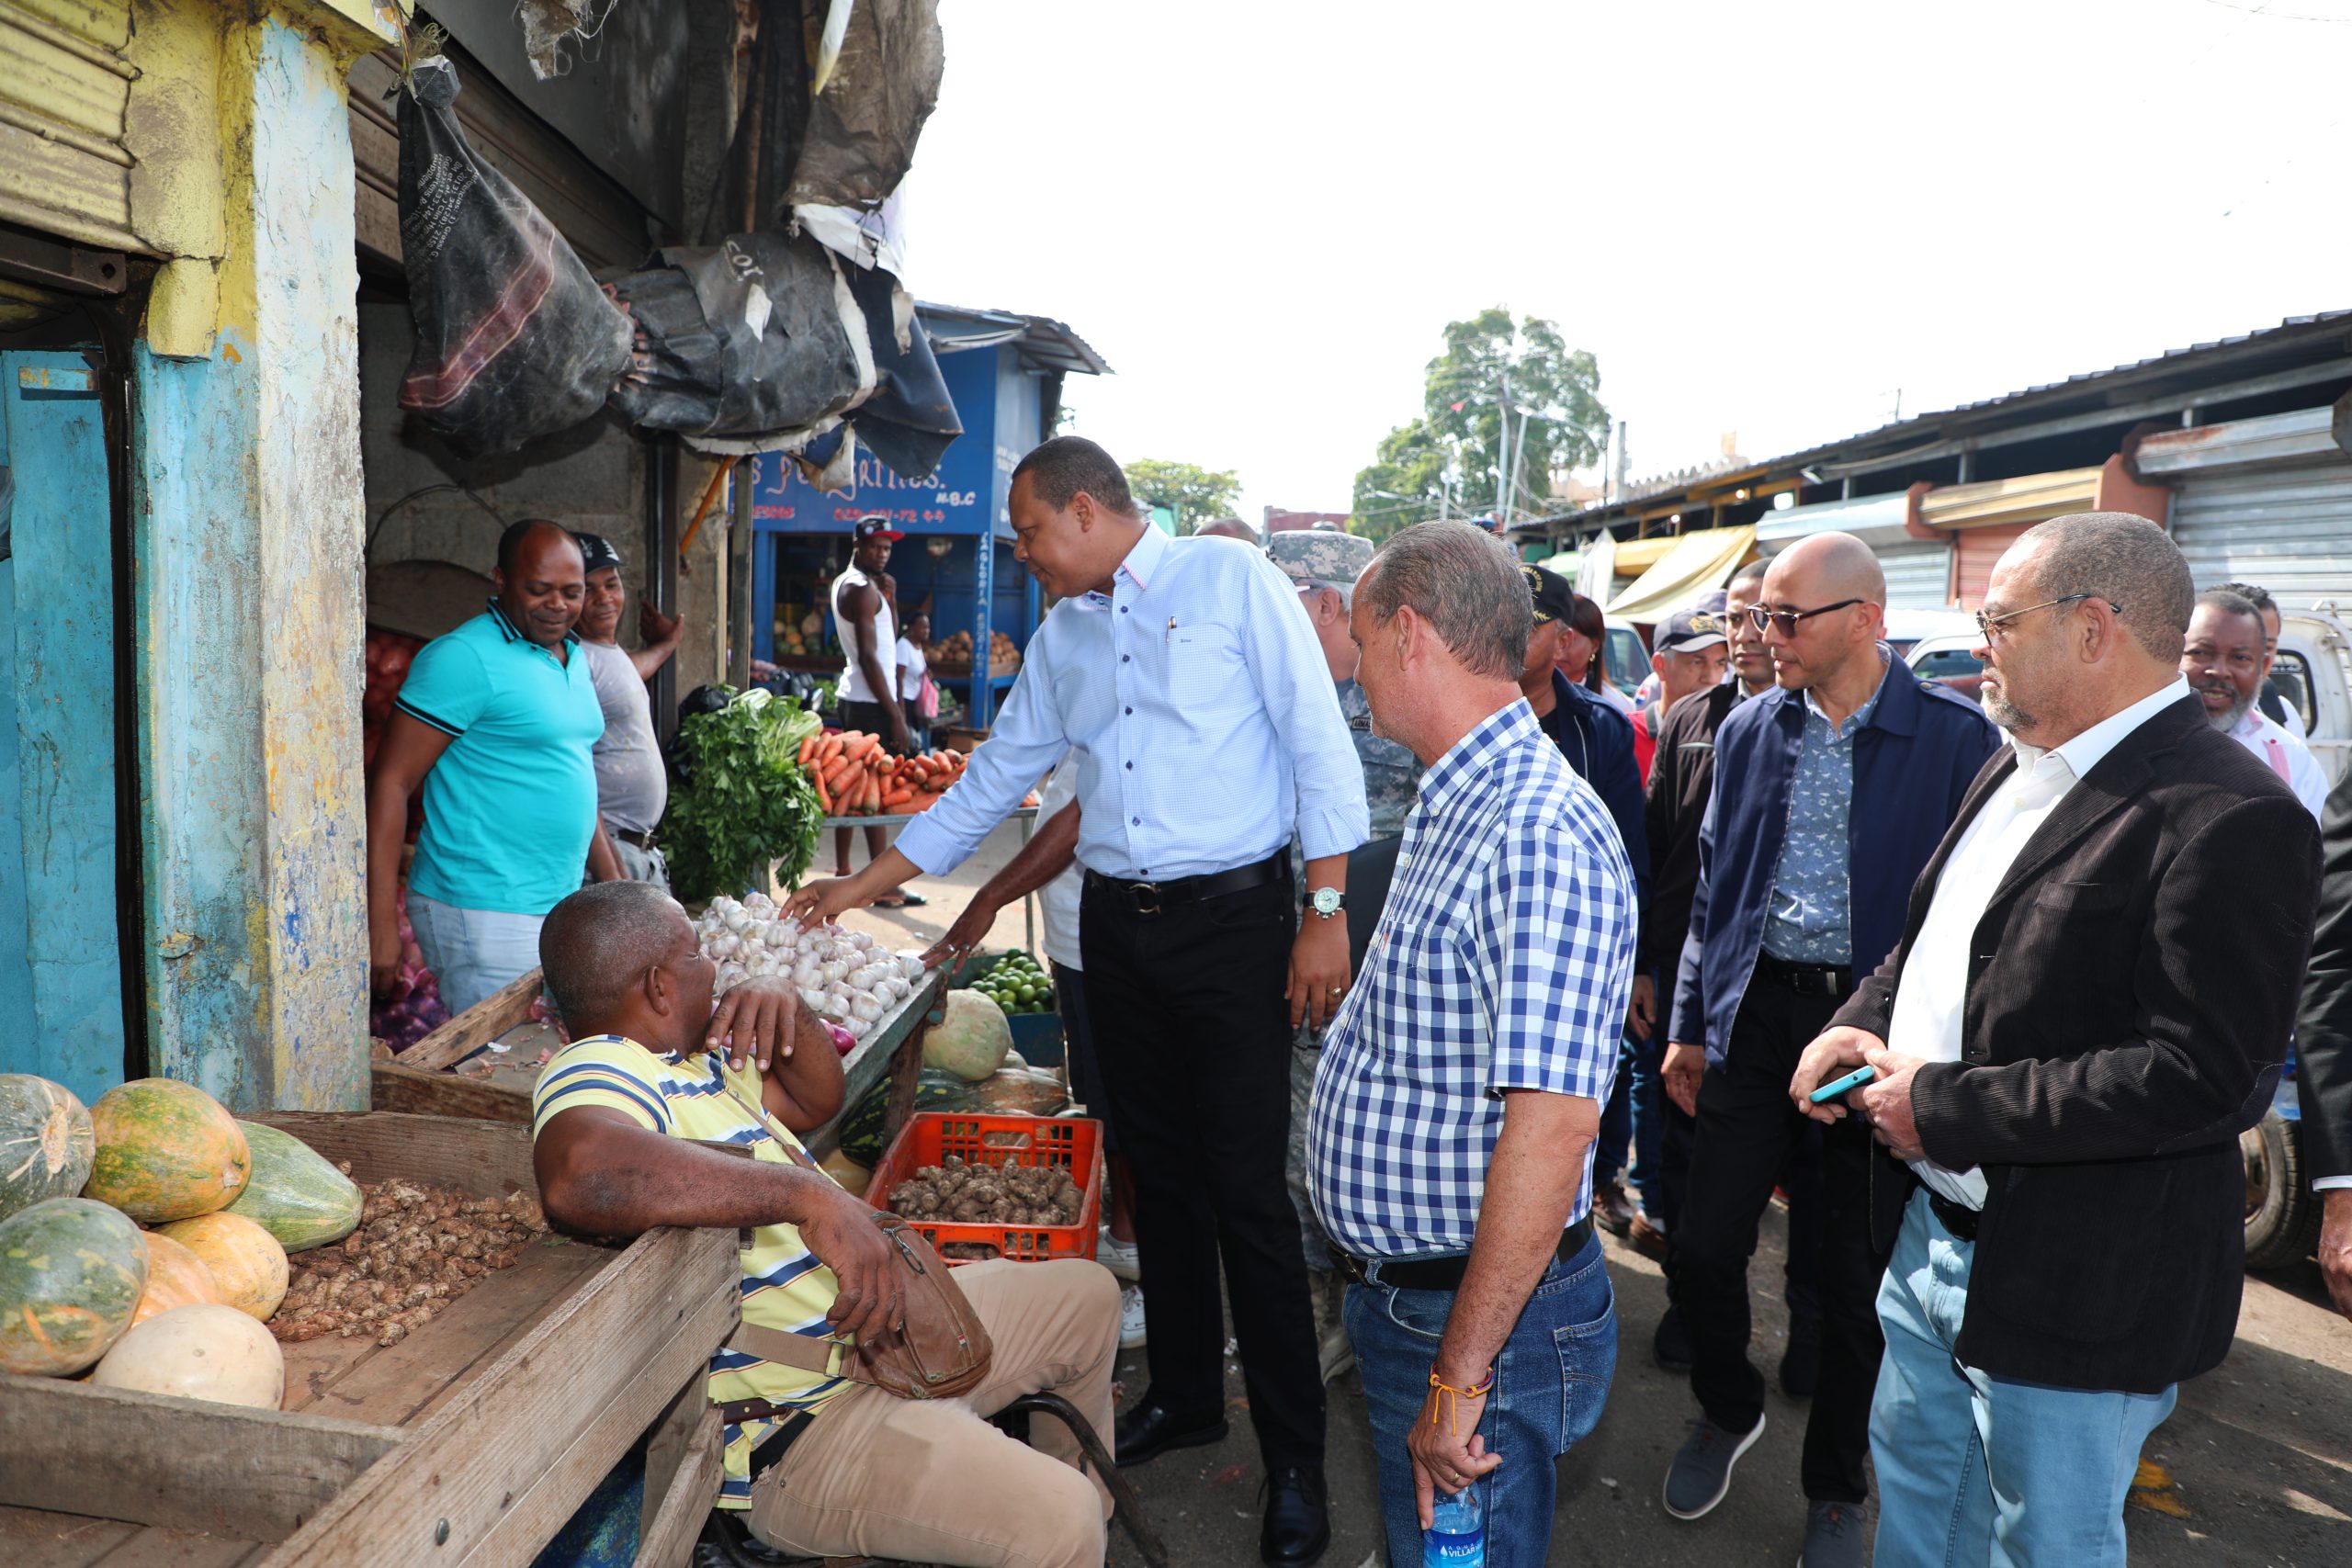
(2324, 1052)
(2098, 971)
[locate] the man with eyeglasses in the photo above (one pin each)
(2225, 663)
(1830, 793)
(2097, 972)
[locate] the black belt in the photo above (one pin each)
(1957, 1218)
(790, 1424)
(630, 836)
(1832, 980)
(1151, 897)
(1440, 1273)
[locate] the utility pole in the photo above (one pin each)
(1502, 437)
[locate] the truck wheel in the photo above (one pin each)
(2282, 1213)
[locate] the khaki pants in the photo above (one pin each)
(931, 1481)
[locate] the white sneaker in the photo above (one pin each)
(1131, 1318)
(1124, 1258)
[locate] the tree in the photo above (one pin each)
(1194, 494)
(1489, 375)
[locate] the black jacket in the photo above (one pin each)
(2323, 1035)
(2130, 986)
(1682, 776)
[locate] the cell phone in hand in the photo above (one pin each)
(1845, 1085)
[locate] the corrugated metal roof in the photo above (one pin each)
(1044, 342)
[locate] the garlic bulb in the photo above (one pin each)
(779, 935)
(860, 940)
(866, 1005)
(813, 1000)
(910, 967)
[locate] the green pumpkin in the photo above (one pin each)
(46, 1143)
(70, 1274)
(293, 1192)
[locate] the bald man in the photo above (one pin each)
(498, 721)
(1831, 792)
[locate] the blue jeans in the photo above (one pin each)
(473, 952)
(1551, 1381)
(1983, 1471)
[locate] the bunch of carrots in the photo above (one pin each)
(856, 776)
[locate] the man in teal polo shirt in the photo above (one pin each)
(498, 720)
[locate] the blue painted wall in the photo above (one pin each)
(61, 969)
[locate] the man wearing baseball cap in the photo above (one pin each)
(865, 615)
(632, 785)
(1687, 654)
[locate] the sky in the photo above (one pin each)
(1761, 217)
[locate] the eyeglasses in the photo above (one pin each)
(1991, 627)
(1762, 619)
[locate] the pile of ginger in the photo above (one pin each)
(989, 1194)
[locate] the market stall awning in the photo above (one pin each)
(2008, 503)
(1696, 563)
(1875, 520)
(1633, 557)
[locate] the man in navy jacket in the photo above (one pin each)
(1831, 794)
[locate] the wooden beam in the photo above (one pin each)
(477, 1026)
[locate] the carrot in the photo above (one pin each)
(824, 801)
(806, 745)
(836, 778)
(873, 795)
(896, 797)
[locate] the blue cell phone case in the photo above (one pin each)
(1837, 1086)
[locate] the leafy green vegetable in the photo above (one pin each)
(747, 802)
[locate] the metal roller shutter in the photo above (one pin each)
(2288, 527)
(1918, 575)
(64, 87)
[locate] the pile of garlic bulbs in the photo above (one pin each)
(840, 973)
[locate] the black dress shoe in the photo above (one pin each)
(1299, 1520)
(1149, 1430)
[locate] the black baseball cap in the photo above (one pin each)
(1555, 599)
(596, 552)
(875, 527)
(1688, 631)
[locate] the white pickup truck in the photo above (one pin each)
(2314, 672)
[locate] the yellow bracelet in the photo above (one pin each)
(1454, 1396)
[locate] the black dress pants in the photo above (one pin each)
(1746, 1130)
(1191, 1034)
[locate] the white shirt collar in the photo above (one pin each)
(2089, 749)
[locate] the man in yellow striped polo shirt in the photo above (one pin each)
(654, 1069)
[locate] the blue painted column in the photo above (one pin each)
(249, 620)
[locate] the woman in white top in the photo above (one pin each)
(914, 670)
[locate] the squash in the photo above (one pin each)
(46, 1144)
(176, 1278)
(971, 1040)
(202, 1352)
(246, 1262)
(70, 1274)
(293, 1193)
(166, 1150)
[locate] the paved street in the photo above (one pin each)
(2259, 1457)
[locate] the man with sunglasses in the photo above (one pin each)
(1830, 795)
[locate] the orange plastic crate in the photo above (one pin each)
(1074, 1142)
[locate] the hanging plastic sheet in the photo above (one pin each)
(878, 66)
(513, 338)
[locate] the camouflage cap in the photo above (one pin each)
(1315, 555)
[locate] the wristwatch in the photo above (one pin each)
(1327, 901)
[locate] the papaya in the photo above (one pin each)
(176, 1278)
(293, 1193)
(246, 1262)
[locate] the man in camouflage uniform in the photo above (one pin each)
(1325, 565)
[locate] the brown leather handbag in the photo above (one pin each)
(942, 1351)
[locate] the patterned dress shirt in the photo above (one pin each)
(1810, 918)
(1502, 961)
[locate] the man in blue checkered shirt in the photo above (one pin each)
(1449, 1147)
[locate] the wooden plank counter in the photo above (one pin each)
(471, 1441)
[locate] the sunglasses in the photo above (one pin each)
(1763, 619)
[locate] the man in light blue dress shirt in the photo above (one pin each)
(1187, 680)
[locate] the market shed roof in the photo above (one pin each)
(1044, 343)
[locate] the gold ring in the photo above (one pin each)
(1339, 990)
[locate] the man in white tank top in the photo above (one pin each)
(866, 615)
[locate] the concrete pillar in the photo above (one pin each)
(248, 516)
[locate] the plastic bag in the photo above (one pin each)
(515, 340)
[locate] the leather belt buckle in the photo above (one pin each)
(1350, 1267)
(1137, 891)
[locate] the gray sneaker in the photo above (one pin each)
(1701, 1473)
(1833, 1536)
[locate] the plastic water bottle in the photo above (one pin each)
(1457, 1534)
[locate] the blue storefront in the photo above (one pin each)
(1005, 373)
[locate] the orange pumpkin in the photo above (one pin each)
(176, 1278)
(166, 1150)
(246, 1262)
